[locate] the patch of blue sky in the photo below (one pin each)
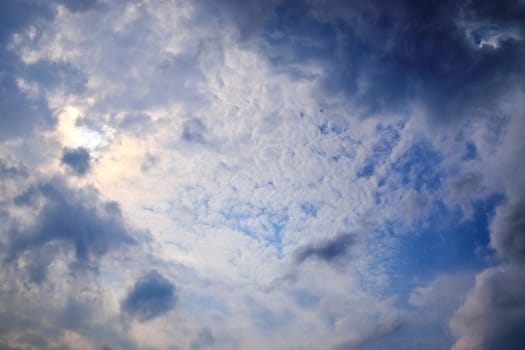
(237, 217)
(261, 224)
(345, 151)
(417, 168)
(389, 137)
(323, 129)
(278, 222)
(471, 152)
(444, 243)
(336, 144)
(463, 139)
(309, 209)
(328, 126)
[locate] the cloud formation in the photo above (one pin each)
(493, 314)
(151, 296)
(446, 60)
(221, 145)
(78, 160)
(67, 219)
(328, 250)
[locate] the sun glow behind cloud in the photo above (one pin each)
(73, 134)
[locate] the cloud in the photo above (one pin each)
(66, 218)
(443, 294)
(136, 123)
(398, 57)
(78, 160)
(508, 231)
(25, 86)
(9, 171)
(493, 315)
(464, 189)
(194, 131)
(274, 89)
(21, 114)
(204, 339)
(152, 296)
(378, 330)
(328, 250)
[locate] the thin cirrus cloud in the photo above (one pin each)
(162, 164)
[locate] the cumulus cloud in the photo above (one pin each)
(152, 296)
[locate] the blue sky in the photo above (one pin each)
(224, 174)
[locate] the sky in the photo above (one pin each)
(277, 174)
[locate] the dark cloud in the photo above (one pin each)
(248, 16)
(493, 315)
(78, 160)
(390, 57)
(67, 219)
(151, 296)
(328, 250)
